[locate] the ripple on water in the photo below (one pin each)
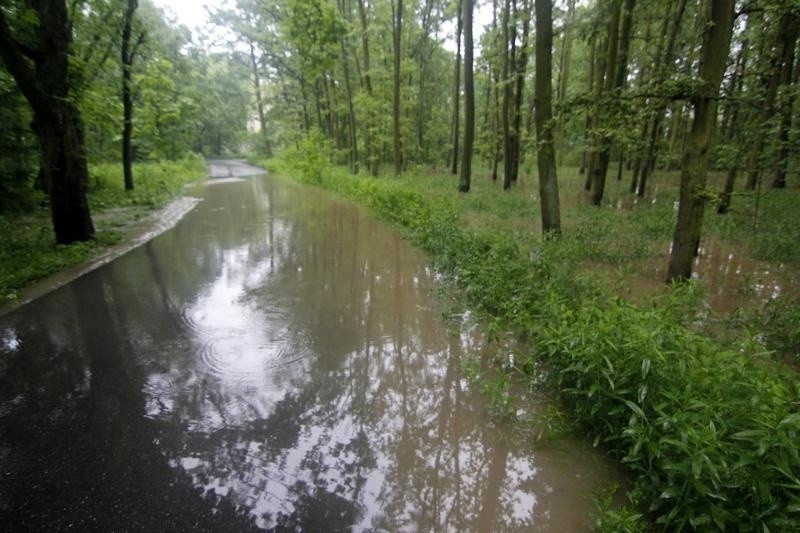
(247, 356)
(193, 319)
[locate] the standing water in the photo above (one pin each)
(277, 360)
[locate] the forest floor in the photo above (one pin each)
(31, 264)
(693, 387)
(746, 277)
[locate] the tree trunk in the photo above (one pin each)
(371, 152)
(661, 72)
(587, 135)
(351, 112)
(423, 54)
(610, 85)
(507, 43)
(714, 54)
(543, 94)
(127, 96)
(45, 84)
(789, 38)
(469, 101)
(563, 71)
(734, 135)
(262, 122)
(457, 90)
(599, 77)
(519, 73)
(787, 28)
(397, 33)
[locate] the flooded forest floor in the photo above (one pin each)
(692, 387)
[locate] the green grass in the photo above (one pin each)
(29, 251)
(710, 434)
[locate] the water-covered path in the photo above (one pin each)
(277, 360)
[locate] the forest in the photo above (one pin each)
(570, 166)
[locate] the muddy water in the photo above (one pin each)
(277, 360)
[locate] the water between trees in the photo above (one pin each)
(277, 360)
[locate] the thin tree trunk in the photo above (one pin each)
(714, 54)
(127, 95)
(262, 121)
(734, 136)
(610, 86)
(507, 43)
(457, 91)
(588, 128)
(787, 27)
(789, 39)
(469, 101)
(423, 54)
(599, 73)
(662, 72)
(351, 112)
(563, 71)
(372, 157)
(520, 72)
(545, 154)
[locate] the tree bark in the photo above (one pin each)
(713, 58)
(601, 169)
(44, 82)
(469, 101)
(787, 35)
(457, 90)
(127, 96)
(787, 97)
(372, 158)
(563, 71)
(262, 122)
(733, 134)
(506, 110)
(397, 33)
(661, 71)
(543, 94)
(519, 73)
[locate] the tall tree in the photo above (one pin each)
(787, 96)
(469, 101)
(713, 58)
(127, 55)
(664, 67)
(457, 89)
(782, 52)
(545, 153)
(38, 58)
(397, 34)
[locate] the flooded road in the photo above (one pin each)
(278, 360)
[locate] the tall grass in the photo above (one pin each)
(710, 434)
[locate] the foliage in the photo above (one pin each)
(779, 325)
(710, 434)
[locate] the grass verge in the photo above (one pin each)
(710, 434)
(29, 251)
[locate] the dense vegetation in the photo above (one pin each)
(184, 101)
(638, 103)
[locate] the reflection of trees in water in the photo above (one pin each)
(374, 427)
(371, 427)
(78, 451)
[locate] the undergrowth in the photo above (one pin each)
(29, 251)
(710, 434)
